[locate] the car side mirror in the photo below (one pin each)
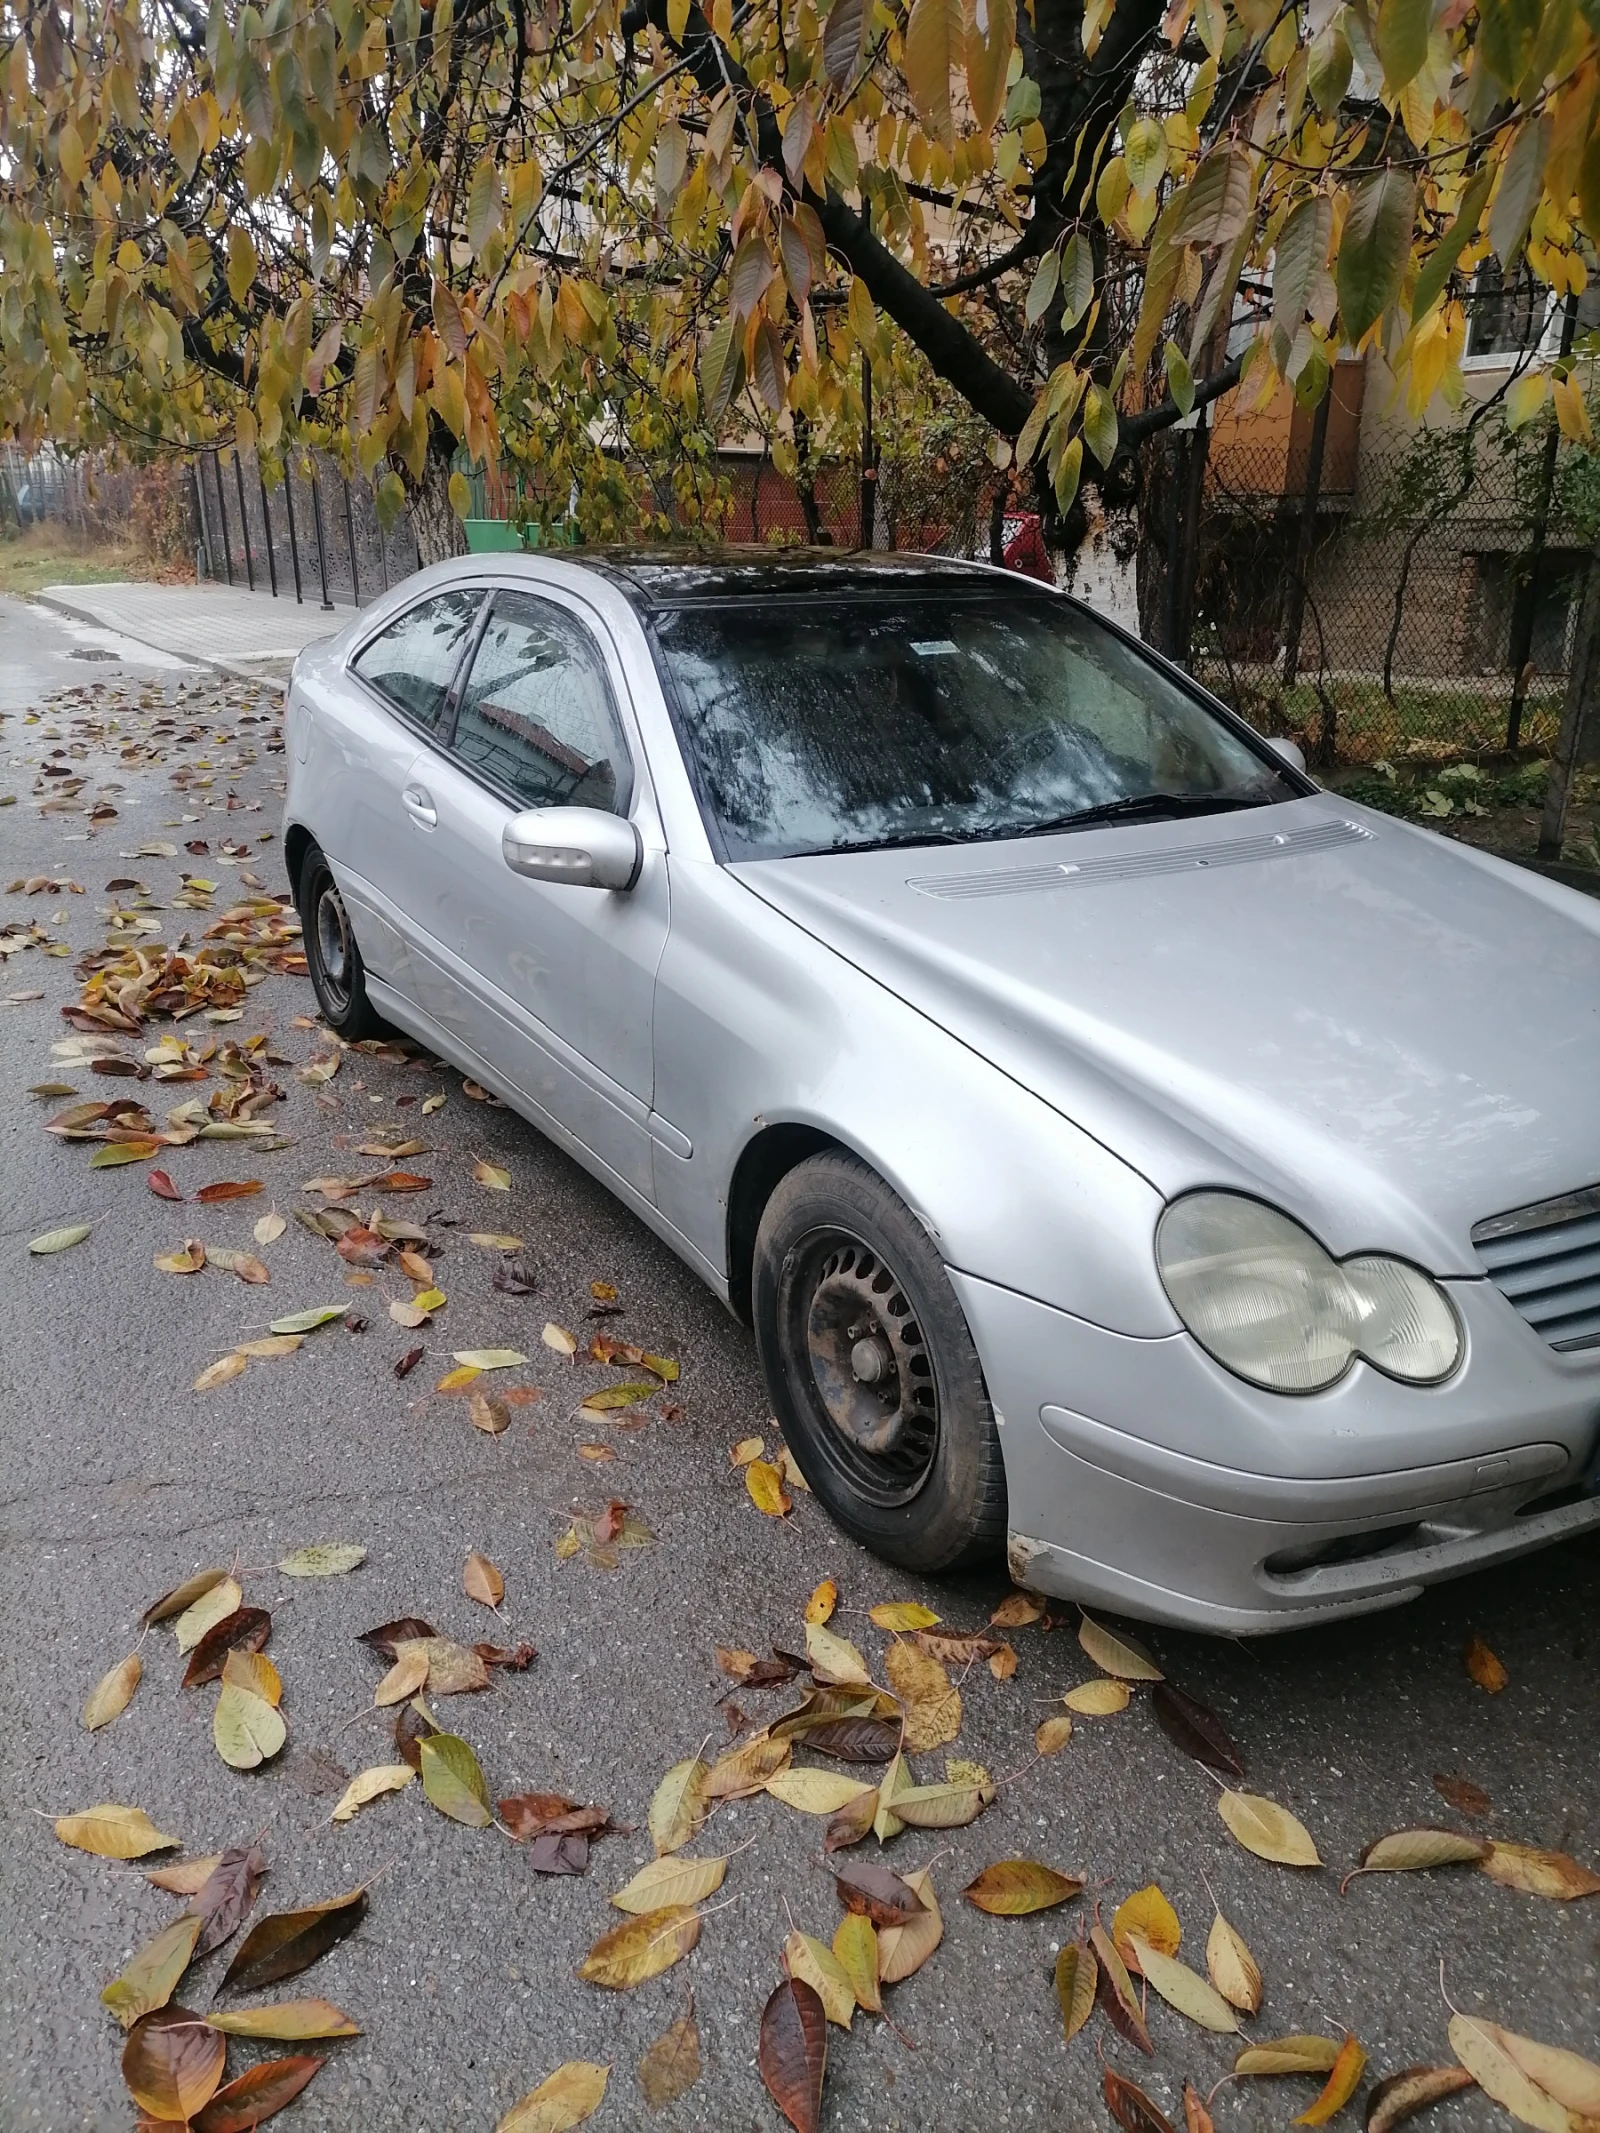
(1291, 751)
(580, 846)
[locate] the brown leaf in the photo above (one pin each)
(363, 1247)
(1116, 1992)
(1011, 1888)
(902, 1950)
(1467, 1799)
(223, 1901)
(1412, 2090)
(161, 1185)
(229, 1189)
(854, 1740)
(1539, 1873)
(389, 1636)
(957, 1651)
(245, 1630)
(411, 1728)
(1132, 2108)
(1484, 1667)
(753, 1673)
(291, 1941)
(534, 1814)
(187, 1877)
(488, 1412)
(671, 2066)
(1017, 1610)
(482, 1581)
(1199, 1732)
(181, 1597)
(793, 2054)
(851, 1823)
(172, 2063)
(517, 1658)
(1196, 2118)
(257, 2095)
(409, 1361)
(404, 1679)
(552, 1853)
(876, 1893)
(113, 1693)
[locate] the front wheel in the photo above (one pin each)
(332, 958)
(872, 1370)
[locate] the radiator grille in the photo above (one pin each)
(1545, 1260)
(1129, 866)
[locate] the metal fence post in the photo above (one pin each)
(266, 528)
(1577, 713)
(294, 544)
(1519, 654)
(350, 542)
(322, 545)
(244, 522)
(222, 513)
(202, 543)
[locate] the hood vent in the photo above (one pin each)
(1545, 1261)
(1132, 866)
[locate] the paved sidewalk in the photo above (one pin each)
(244, 633)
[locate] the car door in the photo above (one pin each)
(551, 986)
(396, 692)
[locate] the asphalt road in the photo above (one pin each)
(119, 1481)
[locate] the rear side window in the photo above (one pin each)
(414, 660)
(536, 714)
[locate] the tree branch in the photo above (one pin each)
(1134, 429)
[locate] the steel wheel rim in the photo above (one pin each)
(335, 948)
(866, 1376)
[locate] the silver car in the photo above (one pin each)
(1124, 1150)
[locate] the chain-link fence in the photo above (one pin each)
(312, 534)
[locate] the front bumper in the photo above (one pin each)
(1145, 1479)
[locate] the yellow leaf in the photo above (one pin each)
(903, 1615)
(457, 1380)
(766, 1490)
(1003, 1663)
(286, 2021)
(254, 1671)
(1477, 2044)
(246, 1728)
(558, 1338)
(815, 1792)
(1288, 2055)
(1077, 1976)
(1012, 1888)
(453, 1781)
(746, 1449)
(1017, 1610)
(1344, 2078)
(488, 1358)
(562, 2100)
(1097, 1699)
(641, 1947)
(482, 1581)
(113, 1832)
(834, 1660)
(933, 43)
(492, 1176)
(370, 1785)
(223, 1598)
(679, 1805)
(786, 1463)
(1052, 1735)
(408, 1674)
(1484, 1667)
(822, 1602)
(1570, 2079)
(671, 1880)
(1267, 1829)
(942, 1806)
(932, 1702)
(904, 1949)
(113, 1693)
(1146, 1916)
(1184, 1988)
(1116, 1655)
(219, 1372)
(487, 1413)
(855, 1943)
(744, 1771)
(1234, 1970)
(816, 1965)
(152, 1975)
(1539, 1873)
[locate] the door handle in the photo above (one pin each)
(419, 806)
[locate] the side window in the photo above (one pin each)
(536, 714)
(414, 661)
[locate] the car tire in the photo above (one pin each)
(338, 976)
(872, 1371)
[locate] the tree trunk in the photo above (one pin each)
(1102, 570)
(440, 534)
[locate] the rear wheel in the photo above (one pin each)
(872, 1370)
(334, 961)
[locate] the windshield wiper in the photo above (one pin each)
(1144, 804)
(889, 843)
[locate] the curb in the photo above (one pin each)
(234, 669)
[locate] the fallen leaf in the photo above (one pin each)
(1288, 2055)
(190, 1258)
(931, 1701)
(611, 1398)
(1539, 1873)
(152, 1973)
(371, 1785)
(323, 1559)
(641, 1948)
(1012, 1888)
(811, 1962)
(1406, 1851)
(902, 1615)
(254, 1671)
(1052, 1735)
(408, 1674)
(114, 1154)
(453, 1669)
(1199, 1732)
(1233, 1969)
(793, 2053)
(1097, 1699)
(855, 1948)
(1467, 1799)
(1480, 2047)
(743, 1452)
(876, 1892)
(1017, 1610)
(1571, 2079)
(1196, 2118)
(766, 1490)
(270, 1228)
(113, 1693)
(286, 2021)
(489, 1358)
(457, 1380)
(270, 1344)
(826, 1596)
(744, 1771)
(1484, 1667)
(172, 2063)
(834, 1659)
(1077, 1976)
(562, 2100)
(219, 1372)
(854, 1740)
(430, 1104)
(671, 2066)
(679, 1805)
(671, 1880)
(535, 1814)
(942, 1806)
(559, 1339)
(1402, 2095)
(453, 1780)
(257, 2095)
(161, 1185)
(786, 1462)
(596, 1454)
(1131, 2107)
(904, 1949)
(307, 1321)
(245, 1629)
(1266, 1829)
(815, 1792)
(1146, 1915)
(246, 1728)
(182, 1597)
(224, 1899)
(291, 1941)
(229, 1189)
(1344, 2078)
(482, 1581)
(60, 1240)
(1116, 1992)
(603, 1291)
(213, 1604)
(1184, 1988)
(409, 1361)
(518, 1657)
(1116, 1655)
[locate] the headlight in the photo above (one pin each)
(1260, 1294)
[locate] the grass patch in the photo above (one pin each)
(53, 555)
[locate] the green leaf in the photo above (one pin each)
(460, 495)
(453, 1781)
(1032, 430)
(1374, 249)
(152, 1975)
(1042, 289)
(1329, 68)
(1521, 177)
(1100, 424)
(326, 1559)
(1298, 258)
(1402, 40)
(308, 1321)
(115, 1153)
(1180, 378)
(60, 1240)
(1145, 151)
(1442, 260)
(1077, 280)
(1067, 473)
(483, 204)
(719, 367)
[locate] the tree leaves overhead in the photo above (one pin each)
(793, 2053)
(291, 1941)
(1374, 248)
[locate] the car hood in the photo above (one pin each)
(1391, 1035)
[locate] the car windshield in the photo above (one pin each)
(844, 723)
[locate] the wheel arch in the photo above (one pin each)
(297, 841)
(764, 1162)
